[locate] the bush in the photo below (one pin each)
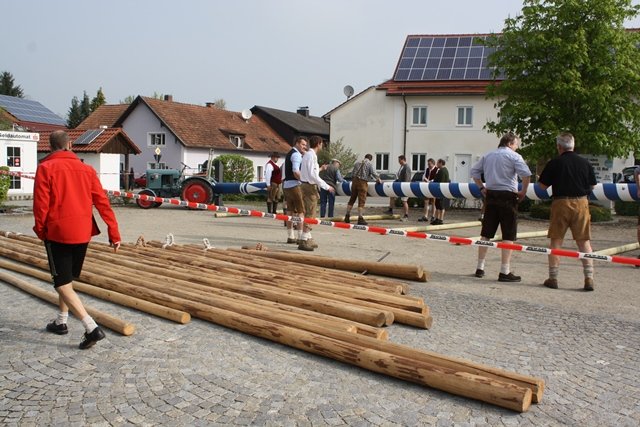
(627, 208)
(598, 213)
(236, 168)
(5, 182)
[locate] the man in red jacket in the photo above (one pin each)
(63, 198)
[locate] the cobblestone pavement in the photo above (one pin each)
(585, 345)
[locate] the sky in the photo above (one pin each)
(280, 54)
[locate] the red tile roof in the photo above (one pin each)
(200, 126)
(105, 115)
(111, 140)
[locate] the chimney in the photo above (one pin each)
(211, 104)
(168, 98)
(303, 111)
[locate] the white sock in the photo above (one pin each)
(480, 264)
(505, 268)
(89, 324)
(305, 235)
(292, 234)
(62, 317)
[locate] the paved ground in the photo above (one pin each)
(585, 345)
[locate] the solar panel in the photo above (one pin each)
(30, 111)
(88, 137)
(444, 58)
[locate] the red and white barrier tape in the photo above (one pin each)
(385, 231)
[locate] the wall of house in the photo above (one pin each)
(138, 125)
(28, 162)
(375, 123)
(107, 167)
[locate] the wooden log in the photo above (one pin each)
(478, 387)
(111, 296)
(100, 317)
(371, 317)
(463, 366)
(402, 271)
(619, 249)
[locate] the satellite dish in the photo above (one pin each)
(246, 114)
(348, 91)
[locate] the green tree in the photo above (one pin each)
(568, 65)
(74, 116)
(5, 183)
(236, 168)
(337, 150)
(98, 100)
(128, 100)
(85, 106)
(8, 86)
(5, 124)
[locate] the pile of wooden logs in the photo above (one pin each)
(331, 313)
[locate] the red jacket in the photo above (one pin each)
(64, 194)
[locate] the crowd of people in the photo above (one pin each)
(66, 190)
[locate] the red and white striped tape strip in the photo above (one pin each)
(385, 231)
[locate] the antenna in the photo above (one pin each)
(246, 114)
(348, 91)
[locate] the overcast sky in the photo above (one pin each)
(275, 53)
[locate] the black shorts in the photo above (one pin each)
(501, 209)
(442, 204)
(65, 261)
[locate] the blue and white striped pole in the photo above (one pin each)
(452, 190)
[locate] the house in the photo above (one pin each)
(28, 115)
(18, 151)
(292, 125)
(184, 134)
(433, 107)
(101, 148)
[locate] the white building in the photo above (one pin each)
(19, 151)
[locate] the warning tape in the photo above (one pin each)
(384, 231)
(378, 230)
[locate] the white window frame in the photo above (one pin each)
(260, 173)
(418, 161)
(237, 140)
(11, 158)
(161, 165)
(156, 139)
(419, 115)
(464, 116)
(384, 159)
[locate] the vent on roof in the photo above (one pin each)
(88, 137)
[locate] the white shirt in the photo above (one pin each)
(268, 170)
(309, 170)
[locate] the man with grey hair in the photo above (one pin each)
(571, 179)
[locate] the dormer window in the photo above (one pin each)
(237, 140)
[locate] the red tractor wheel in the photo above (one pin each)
(197, 192)
(147, 204)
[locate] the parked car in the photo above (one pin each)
(141, 181)
(626, 175)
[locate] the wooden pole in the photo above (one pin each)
(111, 296)
(619, 249)
(100, 317)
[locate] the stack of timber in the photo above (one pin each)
(331, 313)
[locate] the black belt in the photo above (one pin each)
(568, 197)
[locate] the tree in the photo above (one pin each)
(8, 87)
(85, 106)
(236, 168)
(98, 100)
(220, 104)
(5, 124)
(337, 150)
(568, 65)
(74, 116)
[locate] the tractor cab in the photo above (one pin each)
(162, 179)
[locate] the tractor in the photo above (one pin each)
(172, 183)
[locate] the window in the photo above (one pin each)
(13, 157)
(16, 183)
(156, 139)
(382, 161)
(465, 116)
(260, 173)
(237, 140)
(154, 165)
(419, 116)
(418, 162)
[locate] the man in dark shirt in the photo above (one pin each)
(442, 204)
(572, 178)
